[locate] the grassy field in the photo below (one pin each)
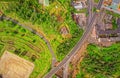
(101, 62)
(27, 45)
(47, 20)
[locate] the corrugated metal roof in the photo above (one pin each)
(116, 1)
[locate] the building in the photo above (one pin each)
(44, 2)
(80, 19)
(64, 30)
(103, 33)
(79, 4)
(112, 5)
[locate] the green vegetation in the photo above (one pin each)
(96, 1)
(47, 20)
(1, 47)
(114, 23)
(101, 62)
(27, 45)
(65, 47)
(115, 15)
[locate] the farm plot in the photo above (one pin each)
(48, 21)
(25, 44)
(12, 66)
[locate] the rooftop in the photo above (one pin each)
(112, 5)
(116, 1)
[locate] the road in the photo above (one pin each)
(65, 71)
(110, 9)
(32, 30)
(90, 12)
(78, 45)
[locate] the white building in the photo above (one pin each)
(44, 2)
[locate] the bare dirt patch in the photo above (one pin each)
(12, 66)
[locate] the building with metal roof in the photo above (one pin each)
(44, 2)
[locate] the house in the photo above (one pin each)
(79, 4)
(80, 19)
(112, 5)
(108, 18)
(108, 26)
(107, 2)
(44, 2)
(104, 34)
(64, 30)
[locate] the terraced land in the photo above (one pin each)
(27, 45)
(47, 20)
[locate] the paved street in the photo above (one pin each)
(78, 45)
(90, 7)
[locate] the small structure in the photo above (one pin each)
(44, 2)
(80, 19)
(108, 26)
(112, 5)
(108, 18)
(107, 2)
(103, 32)
(64, 30)
(12, 66)
(79, 4)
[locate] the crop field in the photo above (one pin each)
(47, 20)
(13, 66)
(25, 44)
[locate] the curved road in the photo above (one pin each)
(90, 12)
(32, 30)
(78, 45)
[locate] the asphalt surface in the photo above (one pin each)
(32, 30)
(78, 45)
(65, 71)
(90, 7)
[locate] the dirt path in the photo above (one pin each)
(77, 59)
(36, 32)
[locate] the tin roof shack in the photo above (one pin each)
(112, 5)
(107, 2)
(107, 18)
(64, 30)
(79, 4)
(108, 26)
(80, 19)
(105, 34)
(44, 2)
